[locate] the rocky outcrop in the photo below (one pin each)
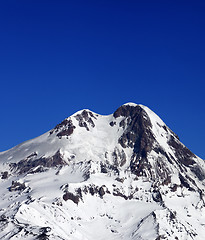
(137, 135)
(17, 186)
(65, 128)
(33, 164)
(85, 119)
(72, 197)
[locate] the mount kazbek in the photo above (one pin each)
(122, 176)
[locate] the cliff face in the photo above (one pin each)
(121, 176)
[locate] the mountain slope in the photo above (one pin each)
(121, 176)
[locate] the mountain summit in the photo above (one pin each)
(121, 176)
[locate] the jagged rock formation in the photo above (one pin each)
(121, 176)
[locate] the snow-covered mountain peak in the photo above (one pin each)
(84, 111)
(153, 117)
(132, 133)
(130, 104)
(120, 174)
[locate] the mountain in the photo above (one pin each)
(121, 176)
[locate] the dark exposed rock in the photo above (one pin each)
(32, 155)
(106, 167)
(114, 169)
(156, 195)
(137, 135)
(122, 158)
(172, 215)
(45, 229)
(183, 154)
(116, 192)
(66, 132)
(140, 166)
(17, 186)
(112, 123)
(101, 191)
(167, 129)
(123, 124)
(120, 179)
(37, 170)
(119, 194)
(79, 192)
(69, 128)
(4, 175)
(103, 168)
(161, 237)
(72, 197)
(191, 180)
(3, 218)
(162, 172)
(28, 165)
(85, 189)
(174, 188)
(160, 150)
(86, 175)
(43, 236)
(85, 119)
(107, 191)
(198, 172)
(93, 190)
(119, 158)
(127, 140)
(43, 233)
(201, 194)
(65, 128)
(126, 111)
(76, 196)
(167, 180)
(185, 183)
(64, 187)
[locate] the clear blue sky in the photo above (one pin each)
(57, 57)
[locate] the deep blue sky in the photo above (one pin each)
(57, 57)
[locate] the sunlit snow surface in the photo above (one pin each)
(125, 211)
